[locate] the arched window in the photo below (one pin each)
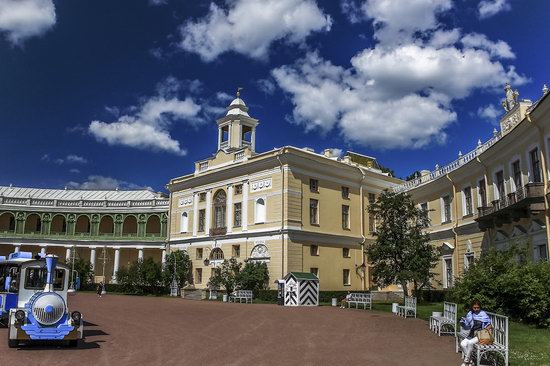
(129, 226)
(82, 225)
(153, 226)
(219, 209)
(184, 222)
(216, 254)
(259, 214)
(33, 224)
(7, 222)
(58, 225)
(106, 225)
(260, 253)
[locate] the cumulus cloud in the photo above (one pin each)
(100, 183)
(490, 113)
(352, 10)
(267, 86)
(250, 27)
(488, 8)
(69, 159)
(22, 19)
(400, 92)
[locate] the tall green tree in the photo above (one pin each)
(84, 270)
(180, 261)
(254, 276)
(402, 252)
(226, 275)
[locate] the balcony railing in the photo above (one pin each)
(513, 206)
(83, 236)
(47, 202)
(218, 231)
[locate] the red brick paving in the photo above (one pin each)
(127, 330)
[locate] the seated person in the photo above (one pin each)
(345, 300)
(475, 320)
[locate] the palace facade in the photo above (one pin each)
(495, 196)
(292, 208)
(108, 228)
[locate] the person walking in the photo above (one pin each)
(99, 289)
(475, 321)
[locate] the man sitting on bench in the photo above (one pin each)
(345, 300)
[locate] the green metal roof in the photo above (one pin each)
(303, 276)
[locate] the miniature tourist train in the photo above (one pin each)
(33, 300)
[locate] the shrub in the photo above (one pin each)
(140, 277)
(506, 284)
(255, 277)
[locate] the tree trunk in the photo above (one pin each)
(405, 289)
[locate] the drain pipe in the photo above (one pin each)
(486, 176)
(362, 225)
(278, 156)
(455, 225)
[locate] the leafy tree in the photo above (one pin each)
(226, 276)
(84, 269)
(384, 169)
(254, 276)
(140, 274)
(180, 260)
(402, 252)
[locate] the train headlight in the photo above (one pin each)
(76, 316)
(20, 316)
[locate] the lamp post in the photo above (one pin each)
(71, 285)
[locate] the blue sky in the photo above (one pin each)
(99, 93)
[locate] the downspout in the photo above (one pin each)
(544, 178)
(278, 156)
(362, 225)
(455, 225)
(486, 177)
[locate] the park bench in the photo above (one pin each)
(500, 343)
(360, 299)
(409, 308)
(446, 322)
(241, 295)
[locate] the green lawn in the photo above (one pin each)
(528, 345)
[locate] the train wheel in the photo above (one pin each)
(13, 343)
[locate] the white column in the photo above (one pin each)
(253, 139)
(163, 260)
(229, 208)
(43, 251)
(208, 217)
(219, 137)
(67, 254)
(244, 209)
(195, 213)
(140, 254)
(92, 257)
(17, 248)
(116, 264)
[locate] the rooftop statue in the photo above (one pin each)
(511, 98)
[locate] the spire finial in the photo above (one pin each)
(239, 91)
(544, 89)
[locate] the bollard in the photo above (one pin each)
(394, 307)
(334, 301)
(224, 298)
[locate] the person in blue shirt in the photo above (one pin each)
(475, 320)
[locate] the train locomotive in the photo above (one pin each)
(33, 301)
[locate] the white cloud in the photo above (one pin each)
(224, 97)
(76, 159)
(249, 27)
(158, 2)
(490, 113)
(74, 171)
(498, 49)
(352, 10)
(400, 92)
(100, 182)
(267, 86)
(22, 19)
(488, 8)
(147, 126)
(69, 159)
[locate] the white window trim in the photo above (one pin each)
(256, 218)
(442, 202)
(347, 282)
(184, 228)
(496, 194)
(530, 163)
(479, 200)
(466, 266)
(464, 213)
(445, 279)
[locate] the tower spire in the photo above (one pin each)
(239, 91)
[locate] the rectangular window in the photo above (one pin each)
(482, 193)
(236, 251)
(345, 193)
(448, 263)
(372, 223)
(424, 206)
(35, 279)
(446, 209)
(313, 212)
(198, 275)
(237, 214)
(500, 184)
(542, 255)
(345, 217)
(314, 250)
(239, 189)
(202, 197)
(314, 185)
(468, 260)
(468, 209)
(203, 166)
(202, 216)
(346, 278)
(314, 271)
(535, 165)
(516, 174)
(346, 253)
(198, 253)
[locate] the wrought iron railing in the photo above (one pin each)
(530, 190)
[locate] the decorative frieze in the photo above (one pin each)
(185, 201)
(260, 185)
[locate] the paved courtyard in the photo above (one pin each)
(128, 330)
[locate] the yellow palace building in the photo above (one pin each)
(290, 207)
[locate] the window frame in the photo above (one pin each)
(345, 192)
(237, 214)
(314, 185)
(314, 250)
(446, 218)
(346, 225)
(344, 250)
(346, 277)
(467, 202)
(314, 216)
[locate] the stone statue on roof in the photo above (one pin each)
(511, 98)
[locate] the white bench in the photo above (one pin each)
(360, 298)
(409, 308)
(445, 324)
(241, 295)
(500, 343)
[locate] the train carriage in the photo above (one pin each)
(33, 301)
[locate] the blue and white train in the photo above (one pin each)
(33, 301)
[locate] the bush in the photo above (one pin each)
(432, 295)
(141, 277)
(255, 277)
(267, 295)
(506, 284)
